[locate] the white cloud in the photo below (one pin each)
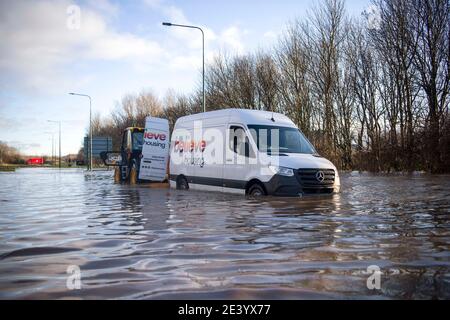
(186, 62)
(38, 53)
(189, 37)
(104, 6)
(8, 123)
(36, 44)
(270, 35)
(231, 38)
(25, 147)
(114, 46)
(153, 3)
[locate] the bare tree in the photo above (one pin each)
(397, 45)
(9, 154)
(431, 59)
(267, 83)
(294, 86)
(368, 98)
(326, 40)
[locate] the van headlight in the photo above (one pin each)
(282, 171)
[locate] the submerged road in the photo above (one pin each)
(64, 230)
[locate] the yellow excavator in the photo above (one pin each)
(127, 161)
(149, 145)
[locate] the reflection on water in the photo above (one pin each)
(136, 242)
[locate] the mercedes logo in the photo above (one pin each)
(320, 176)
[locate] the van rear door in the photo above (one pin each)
(155, 150)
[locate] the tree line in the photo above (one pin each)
(9, 155)
(371, 92)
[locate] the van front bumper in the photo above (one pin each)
(282, 186)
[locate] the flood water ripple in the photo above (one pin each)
(133, 242)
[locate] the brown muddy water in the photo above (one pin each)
(140, 243)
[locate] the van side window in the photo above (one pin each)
(239, 142)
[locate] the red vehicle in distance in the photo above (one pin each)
(35, 161)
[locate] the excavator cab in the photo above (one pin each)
(127, 161)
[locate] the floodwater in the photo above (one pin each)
(132, 242)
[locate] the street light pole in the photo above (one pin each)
(53, 147)
(90, 125)
(59, 145)
(169, 24)
(59, 123)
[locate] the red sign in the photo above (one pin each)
(35, 161)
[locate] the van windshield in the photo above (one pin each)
(273, 140)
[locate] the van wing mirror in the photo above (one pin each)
(111, 158)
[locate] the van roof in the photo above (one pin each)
(243, 116)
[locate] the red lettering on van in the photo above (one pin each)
(155, 136)
(203, 145)
(180, 145)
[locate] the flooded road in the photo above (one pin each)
(140, 243)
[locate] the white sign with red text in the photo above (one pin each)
(155, 150)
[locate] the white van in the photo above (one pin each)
(249, 152)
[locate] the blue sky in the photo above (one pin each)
(119, 47)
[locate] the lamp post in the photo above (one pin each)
(90, 125)
(59, 123)
(169, 24)
(53, 146)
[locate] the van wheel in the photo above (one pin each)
(182, 184)
(256, 190)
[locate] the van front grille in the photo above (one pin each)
(316, 178)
